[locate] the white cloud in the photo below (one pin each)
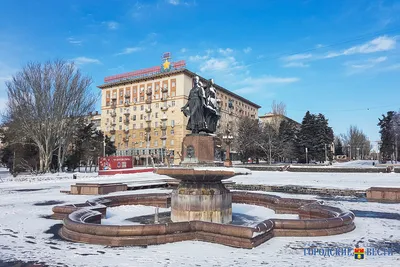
(254, 85)
(85, 60)
(247, 50)
(296, 65)
(74, 41)
(197, 58)
(379, 44)
(112, 25)
(173, 2)
(129, 50)
(226, 51)
(297, 57)
(183, 50)
(219, 64)
(377, 60)
(319, 46)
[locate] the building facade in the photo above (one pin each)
(141, 111)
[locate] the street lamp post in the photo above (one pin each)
(358, 153)
(227, 137)
(396, 148)
(306, 155)
(349, 147)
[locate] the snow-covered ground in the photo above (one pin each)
(326, 180)
(25, 231)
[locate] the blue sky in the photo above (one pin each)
(340, 58)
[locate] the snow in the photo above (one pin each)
(23, 227)
(359, 181)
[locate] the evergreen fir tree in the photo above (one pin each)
(387, 136)
(338, 147)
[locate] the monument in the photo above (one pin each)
(201, 195)
(201, 147)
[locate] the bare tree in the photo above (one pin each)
(278, 108)
(44, 102)
(356, 143)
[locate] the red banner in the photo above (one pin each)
(115, 162)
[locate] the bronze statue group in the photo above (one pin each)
(202, 107)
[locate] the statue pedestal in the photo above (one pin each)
(200, 149)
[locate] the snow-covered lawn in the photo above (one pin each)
(25, 205)
(327, 180)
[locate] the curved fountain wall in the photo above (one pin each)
(82, 223)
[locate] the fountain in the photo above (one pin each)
(201, 206)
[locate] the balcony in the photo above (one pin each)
(149, 92)
(164, 89)
(126, 121)
(127, 96)
(113, 123)
(113, 114)
(148, 110)
(125, 139)
(164, 118)
(163, 126)
(127, 104)
(114, 97)
(112, 131)
(147, 129)
(163, 137)
(148, 120)
(164, 108)
(148, 100)
(113, 105)
(126, 131)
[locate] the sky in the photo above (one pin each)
(339, 58)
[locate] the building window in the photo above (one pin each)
(156, 124)
(134, 99)
(108, 94)
(156, 96)
(142, 98)
(120, 127)
(134, 108)
(134, 117)
(134, 126)
(173, 84)
(172, 132)
(173, 103)
(156, 115)
(141, 116)
(121, 101)
(141, 107)
(141, 125)
(172, 123)
(157, 87)
(120, 119)
(172, 142)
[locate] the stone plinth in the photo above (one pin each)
(210, 202)
(96, 189)
(383, 194)
(200, 149)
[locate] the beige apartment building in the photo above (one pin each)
(143, 114)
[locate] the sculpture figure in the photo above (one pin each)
(195, 108)
(212, 109)
(202, 108)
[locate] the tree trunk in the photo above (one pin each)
(59, 159)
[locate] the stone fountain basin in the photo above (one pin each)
(202, 174)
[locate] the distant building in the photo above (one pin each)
(95, 118)
(141, 110)
(276, 119)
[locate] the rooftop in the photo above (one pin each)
(171, 73)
